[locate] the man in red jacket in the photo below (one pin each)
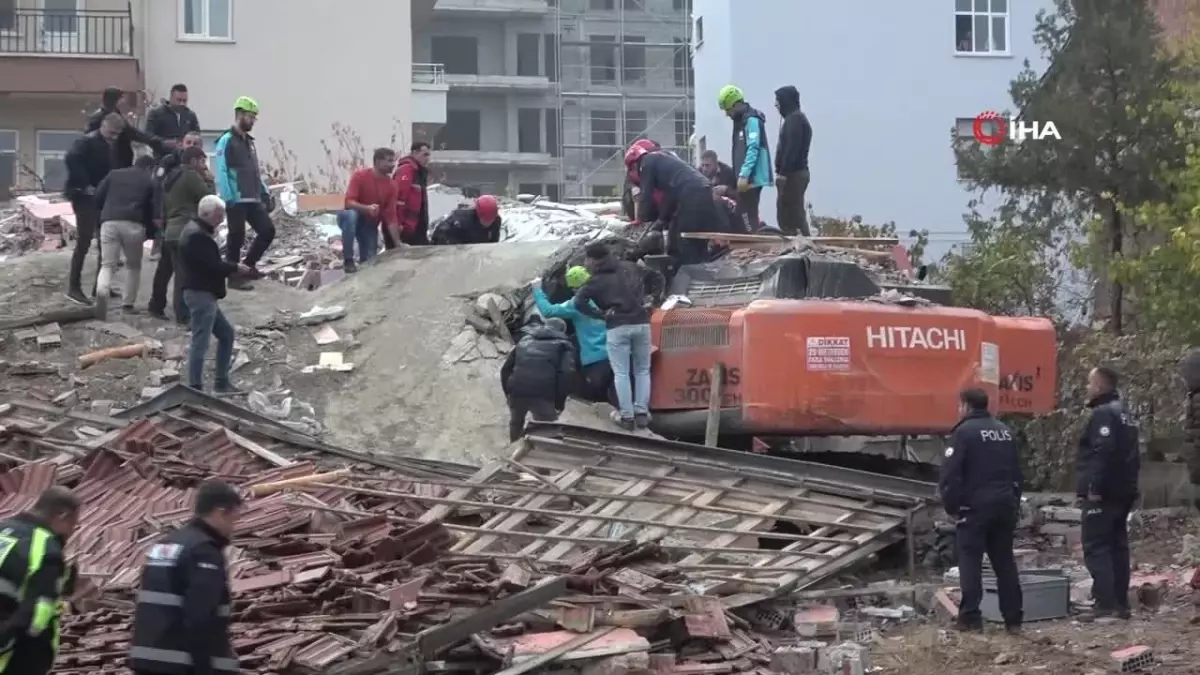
(412, 203)
(370, 202)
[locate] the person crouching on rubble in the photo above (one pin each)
(476, 225)
(687, 201)
(596, 378)
(537, 374)
(370, 203)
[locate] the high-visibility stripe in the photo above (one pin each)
(179, 658)
(171, 600)
(44, 612)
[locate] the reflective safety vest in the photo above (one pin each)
(23, 548)
(160, 641)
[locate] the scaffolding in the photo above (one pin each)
(624, 72)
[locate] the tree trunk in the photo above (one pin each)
(1116, 230)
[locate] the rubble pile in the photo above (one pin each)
(486, 334)
(30, 223)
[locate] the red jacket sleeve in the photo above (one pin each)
(387, 210)
(403, 181)
(354, 189)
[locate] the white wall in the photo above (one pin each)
(308, 63)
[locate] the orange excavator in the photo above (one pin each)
(810, 344)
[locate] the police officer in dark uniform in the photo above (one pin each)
(1106, 472)
(181, 623)
(981, 489)
(34, 577)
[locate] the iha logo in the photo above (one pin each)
(990, 128)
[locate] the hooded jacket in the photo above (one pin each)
(412, 203)
(795, 134)
(541, 366)
(751, 152)
(591, 332)
(617, 293)
(163, 121)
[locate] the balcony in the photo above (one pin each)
(491, 158)
(489, 9)
(498, 84)
(76, 52)
(429, 93)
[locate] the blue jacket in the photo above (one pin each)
(591, 333)
(236, 171)
(751, 150)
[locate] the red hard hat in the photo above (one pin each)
(646, 143)
(634, 153)
(487, 208)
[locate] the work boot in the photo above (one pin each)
(350, 267)
(642, 420)
(130, 309)
(968, 626)
(76, 296)
(227, 389)
(625, 423)
(1103, 617)
(157, 314)
(1013, 629)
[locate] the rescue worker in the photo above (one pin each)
(34, 578)
(751, 156)
(630, 192)
(980, 487)
(596, 379)
(240, 184)
(479, 224)
(791, 162)
(686, 201)
(1106, 471)
(536, 375)
(412, 197)
(181, 622)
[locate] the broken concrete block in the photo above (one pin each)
(1027, 558)
(487, 349)
(819, 621)
(893, 613)
(849, 658)
(502, 303)
(633, 663)
(67, 398)
(1081, 592)
(52, 341)
(169, 375)
(49, 329)
(460, 345)
(502, 346)
(1149, 591)
(1059, 528)
(326, 335)
(28, 336)
(103, 407)
(318, 315)
(1131, 659)
(1061, 514)
(862, 633)
(794, 660)
(151, 392)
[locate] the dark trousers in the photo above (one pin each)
(988, 531)
(1106, 553)
(254, 214)
(789, 206)
(519, 406)
(87, 230)
(697, 212)
(596, 383)
(416, 237)
(748, 208)
(168, 266)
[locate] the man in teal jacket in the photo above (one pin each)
(751, 156)
(591, 333)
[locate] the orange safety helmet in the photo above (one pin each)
(487, 208)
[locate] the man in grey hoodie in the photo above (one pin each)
(791, 162)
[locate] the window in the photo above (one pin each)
(553, 124)
(52, 147)
(8, 162)
(603, 57)
(529, 188)
(460, 132)
(981, 26)
(529, 130)
(604, 191)
(633, 59)
(683, 128)
(604, 134)
(683, 63)
(964, 127)
(458, 54)
(529, 50)
(698, 32)
(634, 5)
(635, 125)
(602, 5)
(8, 22)
(550, 56)
(206, 19)
(682, 6)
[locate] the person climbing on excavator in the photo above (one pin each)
(685, 203)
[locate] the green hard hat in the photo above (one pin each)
(577, 276)
(247, 104)
(728, 96)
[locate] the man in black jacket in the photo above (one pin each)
(130, 213)
(181, 621)
(1106, 470)
(980, 487)
(172, 119)
(537, 375)
(202, 274)
(89, 161)
(111, 102)
(687, 201)
(480, 224)
(791, 162)
(721, 175)
(619, 289)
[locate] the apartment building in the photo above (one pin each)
(56, 56)
(544, 95)
(883, 86)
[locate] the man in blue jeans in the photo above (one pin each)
(202, 274)
(370, 202)
(617, 292)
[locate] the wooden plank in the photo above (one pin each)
(771, 238)
(511, 521)
(587, 527)
(744, 528)
(442, 511)
(566, 524)
(684, 512)
(712, 426)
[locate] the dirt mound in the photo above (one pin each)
(405, 396)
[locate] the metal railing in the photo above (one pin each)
(81, 32)
(428, 73)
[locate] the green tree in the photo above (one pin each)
(1108, 91)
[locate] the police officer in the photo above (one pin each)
(1106, 472)
(981, 489)
(33, 578)
(181, 623)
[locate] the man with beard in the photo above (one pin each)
(240, 185)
